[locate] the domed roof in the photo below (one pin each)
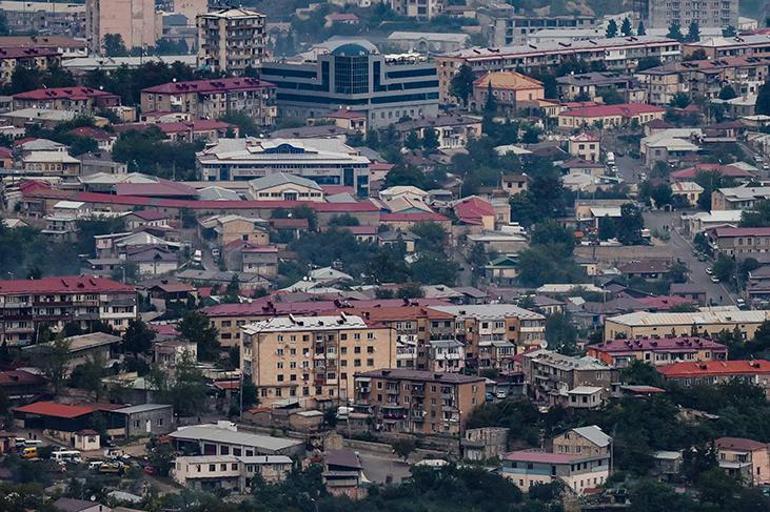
(357, 49)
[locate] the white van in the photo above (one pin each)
(197, 256)
(72, 456)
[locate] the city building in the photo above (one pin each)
(617, 54)
(744, 458)
(285, 187)
(738, 198)
(622, 353)
(211, 99)
(422, 10)
(451, 131)
(81, 100)
(402, 400)
(662, 13)
(557, 379)
(325, 161)
(231, 40)
(596, 84)
(585, 146)
(738, 242)
(234, 473)
(755, 372)
(313, 358)
(428, 42)
(43, 18)
(752, 45)
(510, 90)
(708, 322)
(610, 116)
(133, 20)
(482, 444)
(27, 306)
(343, 473)
(223, 438)
(146, 419)
(507, 29)
(39, 59)
(353, 74)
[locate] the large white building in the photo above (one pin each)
(325, 161)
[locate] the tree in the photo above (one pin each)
(727, 93)
(461, 85)
(246, 125)
(249, 391)
(160, 456)
(490, 105)
(138, 337)
(724, 268)
(404, 447)
(553, 235)
(52, 359)
(560, 334)
(693, 32)
(410, 291)
(114, 46)
(196, 328)
(675, 31)
(344, 219)
(758, 216)
(625, 28)
(641, 30)
(647, 63)
(763, 99)
(412, 140)
(89, 376)
(612, 29)
(629, 227)
(233, 290)
(429, 140)
(729, 31)
(680, 100)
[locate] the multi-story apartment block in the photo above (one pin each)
(744, 458)
(755, 372)
(657, 351)
(494, 333)
(553, 378)
(739, 242)
(419, 9)
(325, 161)
(755, 45)
(445, 356)
(706, 13)
(45, 18)
(503, 30)
(353, 74)
(617, 54)
(39, 59)
(708, 322)
(28, 306)
(231, 40)
(82, 100)
(313, 357)
(211, 99)
(401, 400)
(133, 20)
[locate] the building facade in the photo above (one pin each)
(81, 100)
(711, 13)
(316, 358)
(657, 351)
(231, 40)
(423, 10)
(45, 18)
(39, 59)
(401, 400)
(133, 20)
(642, 324)
(356, 76)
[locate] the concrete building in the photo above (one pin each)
(610, 116)
(325, 161)
(422, 10)
(231, 40)
(39, 59)
(306, 358)
(506, 29)
(228, 472)
(146, 420)
(401, 400)
(584, 146)
(428, 42)
(744, 458)
(452, 131)
(285, 187)
(621, 353)
(481, 444)
(133, 20)
(738, 198)
(45, 18)
(223, 438)
(81, 100)
(708, 322)
(662, 13)
(27, 305)
(211, 99)
(739, 242)
(510, 90)
(715, 48)
(755, 372)
(599, 83)
(354, 74)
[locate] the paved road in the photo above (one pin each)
(682, 249)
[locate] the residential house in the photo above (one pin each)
(688, 191)
(739, 242)
(451, 131)
(234, 473)
(744, 458)
(621, 353)
(343, 473)
(482, 444)
(585, 146)
(223, 438)
(755, 372)
(224, 229)
(510, 90)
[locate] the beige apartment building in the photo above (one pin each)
(419, 9)
(708, 322)
(231, 40)
(133, 20)
(707, 13)
(39, 59)
(313, 357)
(404, 400)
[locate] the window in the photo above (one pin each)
(212, 467)
(356, 362)
(343, 350)
(370, 362)
(370, 350)
(356, 350)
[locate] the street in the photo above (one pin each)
(682, 249)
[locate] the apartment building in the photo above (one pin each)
(45, 18)
(133, 20)
(708, 13)
(610, 116)
(353, 74)
(422, 10)
(231, 40)
(595, 84)
(738, 198)
(510, 90)
(27, 306)
(705, 323)
(557, 379)
(506, 29)
(617, 54)
(228, 472)
(211, 99)
(622, 353)
(313, 358)
(402, 400)
(325, 161)
(81, 100)
(739, 242)
(452, 131)
(755, 372)
(744, 458)
(494, 333)
(39, 59)
(754, 45)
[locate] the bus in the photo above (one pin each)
(72, 456)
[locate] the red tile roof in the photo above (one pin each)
(71, 93)
(200, 125)
(67, 284)
(740, 444)
(715, 368)
(723, 170)
(56, 409)
(729, 232)
(413, 217)
(268, 306)
(209, 86)
(472, 210)
(91, 132)
(658, 344)
(160, 189)
(20, 378)
(663, 302)
(623, 110)
(21, 52)
(5, 153)
(149, 215)
(346, 114)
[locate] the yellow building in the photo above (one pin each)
(511, 90)
(708, 322)
(314, 357)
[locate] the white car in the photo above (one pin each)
(714, 279)
(709, 270)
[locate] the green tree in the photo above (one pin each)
(52, 358)
(724, 268)
(763, 99)
(561, 334)
(675, 31)
(410, 291)
(412, 140)
(196, 328)
(727, 93)
(630, 225)
(344, 219)
(647, 63)
(246, 125)
(680, 100)
(612, 29)
(625, 28)
(233, 290)
(138, 337)
(404, 447)
(433, 237)
(641, 30)
(693, 32)
(430, 140)
(89, 376)
(729, 31)
(490, 105)
(114, 46)
(461, 85)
